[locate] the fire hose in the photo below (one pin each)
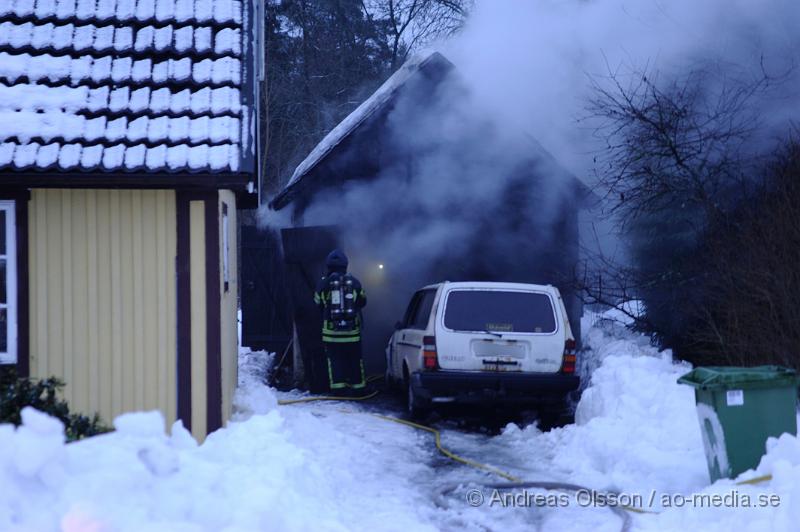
(623, 511)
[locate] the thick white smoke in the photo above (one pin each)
(531, 62)
(528, 68)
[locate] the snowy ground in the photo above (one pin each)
(336, 466)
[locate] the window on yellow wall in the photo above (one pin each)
(8, 284)
(225, 247)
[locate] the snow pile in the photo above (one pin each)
(335, 466)
(636, 432)
(252, 394)
(636, 428)
(281, 470)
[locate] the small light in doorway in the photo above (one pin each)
(380, 266)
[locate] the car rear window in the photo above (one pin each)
(499, 311)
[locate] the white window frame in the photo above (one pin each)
(10, 356)
(226, 272)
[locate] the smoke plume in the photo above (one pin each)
(525, 70)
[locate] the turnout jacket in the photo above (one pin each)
(322, 297)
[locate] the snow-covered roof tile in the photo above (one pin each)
(125, 9)
(198, 156)
(156, 157)
(228, 40)
(113, 156)
(91, 156)
(184, 10)
(45, 8)
(179, 129)
(98, 98)
(142, 70)
(42, 36)
(23, 8)
(106, 9)
(145, 9)
(140, 100)
(103, 38)
(162, 38)
(179, 102)
(203, 10)
(158, 129)
(42, 98)
(165, 10)
(134, 156)
(177, 156)
(144, 38)
(69, 156)
(202, 39)
(94, 128)
(80, 69)
(85, 9)
(25, 155)
(47, 155)
(7, 152)
(65, 9)
(117, 129)
(138, 128)
(201, 101)
(118, 99)
(121, 85)
(123, 39)
(121, 69)
(184, 38)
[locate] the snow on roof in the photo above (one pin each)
(121, 85)
(359, 115)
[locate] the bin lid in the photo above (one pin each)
(732, 377)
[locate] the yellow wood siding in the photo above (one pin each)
(102, 297)
(197, 258)
(229, 306)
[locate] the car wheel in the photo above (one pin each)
(415, 410)
(556, 417)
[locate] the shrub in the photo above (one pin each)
(17, 393)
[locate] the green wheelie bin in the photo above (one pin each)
(738, 409)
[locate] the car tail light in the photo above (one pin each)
(568, 364)
(429, 360)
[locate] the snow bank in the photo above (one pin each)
(252, 394)
(334, 466)
(278, 470)
(636, 432)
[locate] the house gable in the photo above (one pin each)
(362, 144)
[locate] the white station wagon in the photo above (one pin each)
(484, 343)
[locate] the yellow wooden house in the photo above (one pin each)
(127, 145)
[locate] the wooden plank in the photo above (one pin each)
(64, 247)
(184, 309)
(117, 300)
(55, 324)
(148, 288)
(127, 304)
(197, 255)
(104, 304)
(213, 315)
(92, 304)
(75, 299)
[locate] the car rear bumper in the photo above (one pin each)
(443, 386)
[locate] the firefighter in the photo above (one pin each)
(340, 297)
